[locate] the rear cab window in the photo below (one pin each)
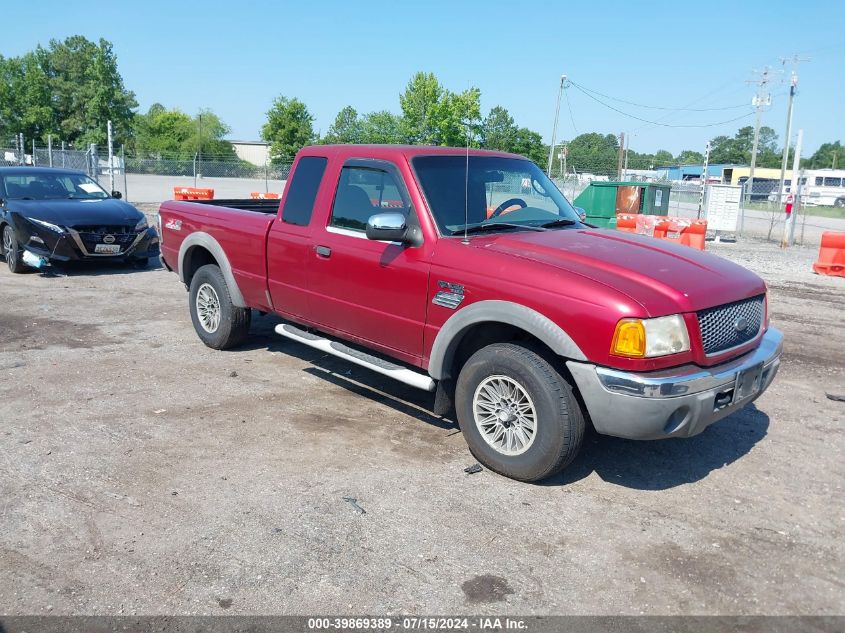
(302, 190)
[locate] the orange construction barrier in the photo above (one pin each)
(192, 193)
(264, 195)
(626, 222)
(684, 231)
(831, 255)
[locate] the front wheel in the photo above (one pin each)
(12, 251)
(519, 416)
(839, 203)
(219, 323)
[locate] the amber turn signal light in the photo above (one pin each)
(629, 339)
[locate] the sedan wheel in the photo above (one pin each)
(11, 250)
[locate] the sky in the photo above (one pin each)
(236, 57)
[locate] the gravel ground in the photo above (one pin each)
(141, 472)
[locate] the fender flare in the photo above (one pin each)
(207, 242)
(447, 339)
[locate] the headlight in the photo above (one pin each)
(647, 338)
(142, 224)
(47, 225)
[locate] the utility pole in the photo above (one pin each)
(794, 194)
(704, 176)
(620, 160)
(111, 157)
(793, 83)
(554, 129)
(760, 100)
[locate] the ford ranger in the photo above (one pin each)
(467, 273)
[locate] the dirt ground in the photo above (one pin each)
(143, 473)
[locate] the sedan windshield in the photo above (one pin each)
(494, 193)
(43, 185)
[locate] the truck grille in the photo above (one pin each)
(722, 327)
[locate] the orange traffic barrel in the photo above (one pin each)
(831, 255)
(264, 195)
(626, 222)
(192, 193)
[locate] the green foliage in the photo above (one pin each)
(827, 155)
(381, 127)
(161, 133)
(593, 152)
(433, 115)
(689, 157)
(346, 128)
(737, 150)
(288, 129)
(70, 89)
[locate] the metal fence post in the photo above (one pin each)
(111, 156)
(33, 152)
(50, 149)
(63, 153)
(22, 145)
(123, 160)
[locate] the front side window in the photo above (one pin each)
(491, 190)
(363, 192)
(52, 186)
(832, 182)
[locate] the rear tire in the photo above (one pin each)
(839, 203)
(503, 392)
(12, 251)
(218, 322)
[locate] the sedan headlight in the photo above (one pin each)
(142, 224)
(647, 338)
(47, 225)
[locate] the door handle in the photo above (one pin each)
(323, 251)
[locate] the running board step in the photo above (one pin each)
(373, 363)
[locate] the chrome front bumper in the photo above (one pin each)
(677, 402)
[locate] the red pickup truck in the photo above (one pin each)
(469, 274)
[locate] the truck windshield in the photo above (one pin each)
(52, 186)
(495, 190)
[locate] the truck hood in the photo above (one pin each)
(664, 278)
(78, 212)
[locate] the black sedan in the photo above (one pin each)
(58, 215)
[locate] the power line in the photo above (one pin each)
(569, 106)
(633, 116)
(651, 107)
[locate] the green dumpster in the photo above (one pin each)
(602, 200)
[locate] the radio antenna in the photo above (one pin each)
(466, 192)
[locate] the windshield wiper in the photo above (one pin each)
(556, 223)
(488, 226)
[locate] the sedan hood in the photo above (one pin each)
(78, 212)
(663, 277)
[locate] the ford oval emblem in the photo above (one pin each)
(740, 324)
(108, 239)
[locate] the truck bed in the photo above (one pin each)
(247, 204)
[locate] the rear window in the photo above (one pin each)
(303, 187)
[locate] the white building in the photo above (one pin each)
(255, 152)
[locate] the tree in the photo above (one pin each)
(347, 127)
(662, 158)
(689, 157)
(163, 133)
(498, 130)
(594, 152)
(381, 127)
(87, 91)
(70, 89)
(421, 109)
(289, 127)
(827, 155)
(737, 150)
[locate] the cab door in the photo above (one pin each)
(370, 291)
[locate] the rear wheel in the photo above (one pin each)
(218, 322)
(11, 250)
(519, 416)
(840, 203)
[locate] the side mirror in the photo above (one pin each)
(392, 227)
(116, 194)
(582, 215)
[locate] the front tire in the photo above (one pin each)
(519, 416)
(12, 252)
(218, 322)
